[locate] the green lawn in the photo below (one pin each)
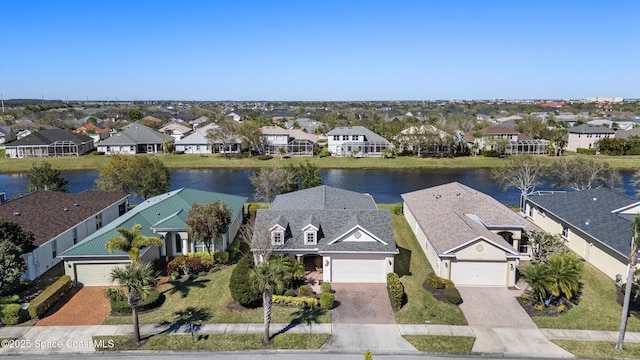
(597, 310)
(412, 266)
(209, 299)
(216, 342)
(191, 161)
(599, 349)
(441, 344)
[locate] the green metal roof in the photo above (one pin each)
(166, 211)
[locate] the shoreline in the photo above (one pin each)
(193, 161)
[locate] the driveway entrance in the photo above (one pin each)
(362, 304)
(84, 305)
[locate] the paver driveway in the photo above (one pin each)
(362, 304)
(81, 306)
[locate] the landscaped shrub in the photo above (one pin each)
(160, 264)
(245, 248)
(190, 264)
(398, 209)
(561, 308)
(326, 300)
(437, 282)
(176, 264)
(305, 290)
(265, 157)
(49, 297)
(177, 152)
(13, 299)
(11, 314)
(253, 208)
(289, 293)
(234, 249)
(150, 302)
(448, 284)
(303, 302)
(586, 151)
(221, 257)
(395, 289)
(489, 153)
(175, 275)
(453, 296)
(325, 287)
(207, 261)
(97, 153)
(240, 284)
(324, 153)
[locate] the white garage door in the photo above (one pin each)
(94, 274)
(476, 273)
(358, 270)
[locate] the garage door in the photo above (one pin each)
(476, 273)
(94, 274)
(358, 270)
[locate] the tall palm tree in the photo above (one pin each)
(633, 261)
(565, 272)
(268, 276)
(131, 242)
(135, 282)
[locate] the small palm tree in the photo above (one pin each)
(538, 278)
(268, 277)
(633, 261)
(135, 282)
(565, 272)
(131, 242)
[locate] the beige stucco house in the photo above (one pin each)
(467, 236)
(586, 136)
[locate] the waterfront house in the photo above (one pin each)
(199, 143)
(505, 140)
(134, 139)
(7, 134)
(50, 143)
(356, 141)
(95, 131)
(175, 129)
(586, 136)
(295, 142)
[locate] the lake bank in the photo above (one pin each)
(191, 161)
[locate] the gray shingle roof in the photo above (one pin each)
(590, 129)
(323, 197)
(454, 214)
(50, 136)
(134, 134)
(590, 211)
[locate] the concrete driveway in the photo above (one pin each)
(502, 326)
(358, 304)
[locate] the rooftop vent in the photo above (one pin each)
(457, 194)
(76, 204)
(594, 199)
(65, 209)
(15, 213)
(438, 196)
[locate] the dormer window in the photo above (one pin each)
(277, 237)
(310, 237)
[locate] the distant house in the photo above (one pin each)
(613, 124)
(595, 223)
(339, 233)
(199, 143)
(356, 140)
(176, 130)
(58, 220)
(163, 216)
(467, 236)
(95, 131)
(134, 139)
(152, 119)
(279, 114)
(295, 141)
(626, 134)
(429, 140)
(307, 125)
(50, 143)
(235, 116)
(506, 140)
(586, 136)
(7, 134)
(199, 121)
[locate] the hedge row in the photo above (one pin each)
(152, 301)
(437, 282)
(194, 263)
(49, 297)
(586, 151)
(302, 302)
(395, 289)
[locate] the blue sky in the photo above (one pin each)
(319, 50)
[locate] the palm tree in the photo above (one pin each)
(564, 273)
(268, 276)
(633, 261)
(135, 282)
(538, 278)
(131, 242)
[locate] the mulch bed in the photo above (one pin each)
(438, 294)
(550, 310)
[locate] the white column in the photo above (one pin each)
(163, 248)
(185, 246)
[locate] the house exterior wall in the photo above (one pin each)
(194, 148)
(480, 250)
(124, 149)
(584, 140)
(436, 262)
(592, 251)
(98, 268)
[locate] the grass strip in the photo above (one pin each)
(441, 344)
(599, 349)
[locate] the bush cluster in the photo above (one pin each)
(195, 263)
(12, 314)
(398, 209)
(325, 287)
(234, 248)
(305, 290)
(221, 257)
(395, 289)
(49, 297)
(302, 302)
(586, 151)
(453, 295)
(265, 157)
(240, 285)
(437, 282)
(253, 208)
(326, 300)
(150, 302)
(490, 153)
(13, 299)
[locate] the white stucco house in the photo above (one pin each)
(338, 232)
(134, 139)
(467, 236)
(176, 130)
(58, 220)
(356, 141)
(163, 216)
(295, 141)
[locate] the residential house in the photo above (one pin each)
(595, 223)
(235, 115)
(199, 143)
(152, 119)
(175, 129)
(295, 142)
(95, 131)
(163, 216)
(586, 136)
(429, 140)
(626, 134)
(467, 236)
(199, 121)
(614, 124)
(307, 125)
(134, 139)
(505, 140)
(339, 233)
(356, 141)
(7, 134)
(50, 143)
(58, 220)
